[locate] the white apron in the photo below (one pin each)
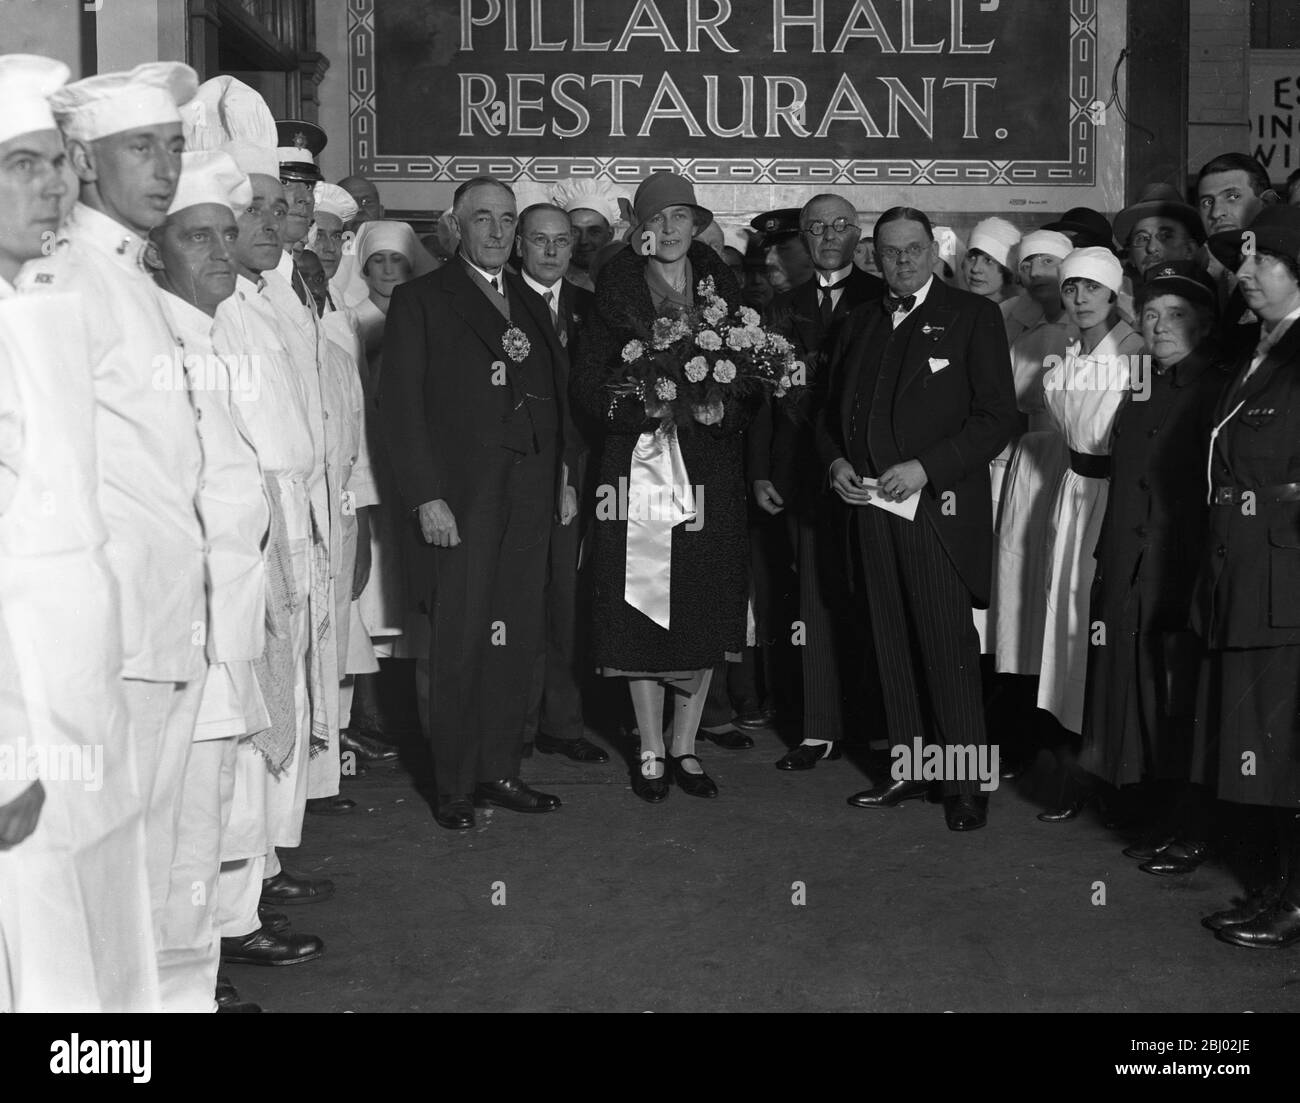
(1037, 460)
(1085, 418)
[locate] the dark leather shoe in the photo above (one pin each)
(964, 812)
(365, 748)
(577, 749)
(888, 796)
(1252, 907)
(454, 813)
(693, 785)
(806, 756)
(264, 947)
(651, 789)
(1148, 849)
(331, 806)
(1011, 768)
(730, 739)
(756, 721)
(271, 920)
(228, 1001)
(283, 889)
(512, 793)
(1176, 859)
(1274, 929)
(1065, 813)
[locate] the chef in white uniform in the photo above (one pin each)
(75, 930)
(192, 252)
(272, 766)
(123, 136)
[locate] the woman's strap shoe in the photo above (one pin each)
(651, 789)
(693, 785)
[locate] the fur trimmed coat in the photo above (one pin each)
(710, 559)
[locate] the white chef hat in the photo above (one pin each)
(387, 235)
(594, 195)
(1051, 243)
(1096, 263)
(211, 176)
(148, 95)
(996, 237)
(331, 199)
(26, 83)
(227, 114)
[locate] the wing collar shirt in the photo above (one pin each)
(900, 316)
(831, 280)
(236, 514)
(149, 453)
(276, 412)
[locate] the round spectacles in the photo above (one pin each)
(893, 255)
(541, 241)
(818, 228)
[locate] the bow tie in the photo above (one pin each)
(893, 305)
(827, 288)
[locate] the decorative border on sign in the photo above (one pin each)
(1086, 113)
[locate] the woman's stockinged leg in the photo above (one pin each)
(688, 708)
(648, 704)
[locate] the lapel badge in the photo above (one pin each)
(928, 329)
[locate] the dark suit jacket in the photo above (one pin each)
(954, 420)
(1249, 586)
(782, 442)
(439, 404)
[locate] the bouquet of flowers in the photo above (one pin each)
(690, 363)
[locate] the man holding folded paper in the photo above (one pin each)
(921, 399)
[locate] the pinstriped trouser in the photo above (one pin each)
(926, 644)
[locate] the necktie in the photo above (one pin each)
(496, 284)
(827, 291)
(553, 307)
(893, 305)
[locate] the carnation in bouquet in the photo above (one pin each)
(691, 363)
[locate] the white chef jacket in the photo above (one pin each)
(236, 512)
(302, 338)
(149, 452)
(277, 417)
(74, 906)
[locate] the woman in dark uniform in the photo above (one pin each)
(702, 597)
(1141, 688)
(1248, 608)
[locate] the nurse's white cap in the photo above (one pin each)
(211, 176)
(148, 95)
(26, 83)
(1051, 243)
(996, 237)
(227, 114)
(1096, 263)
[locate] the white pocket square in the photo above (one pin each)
(937, 364)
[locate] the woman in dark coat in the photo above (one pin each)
(707, 589)
(1143, 658)
(1248, 604)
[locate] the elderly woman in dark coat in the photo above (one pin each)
(1248, 607)
(705, 592)
(1143, 658)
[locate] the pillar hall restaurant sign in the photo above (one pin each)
(979, 92)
